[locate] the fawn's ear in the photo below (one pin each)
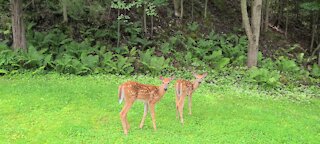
(161, 78)
(205, 74)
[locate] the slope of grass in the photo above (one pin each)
(73, 109)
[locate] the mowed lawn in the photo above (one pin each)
(73, 109)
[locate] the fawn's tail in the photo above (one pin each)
(121, 94)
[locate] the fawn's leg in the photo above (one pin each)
(123, 116)
(153, 117)
(190, 103)
(178, 96)
(180, 107)
(144, 114)
(177, 105)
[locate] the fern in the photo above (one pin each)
(217, 60)
(315, 71)
(153, 64)
(287, 66)
(264, 77)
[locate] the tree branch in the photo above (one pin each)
(245, 19)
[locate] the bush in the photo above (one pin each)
(315, 71)
(153, 64)
(8, 59)
(264, 77)
(287, 66)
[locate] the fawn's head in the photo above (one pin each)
(166, 81)
(199, 78)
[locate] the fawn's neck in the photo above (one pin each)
(195, 85)
(161, 90)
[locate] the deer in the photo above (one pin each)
(185, 88)
(131, 91)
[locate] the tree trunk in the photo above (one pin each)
(64, 9)
(263, 15)
(176, 4)
(144, 18)
(319, 59)
(118, 31)
(151, 25)
(318, 47)
(297, 9)
(287, 20)
(252, 30)
(18, 29)
(205, 8)
(314, 29)
(266, 20)
(280, 12)
(252, 55)
(33, 5)
(181, 8)
(192, 7)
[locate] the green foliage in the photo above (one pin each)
(264, 77)
(117, 64)
(315, 71)
(153, 64)
(217, 60)
(311, 6)
(286, 65)
(89, 61)
(3, 71)
(68, 64)
(268, 63)
(8, 58)
(52, 40)
(34, 58)
(215, 50)
(166, 48)
(194, 26)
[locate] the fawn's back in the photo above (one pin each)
(134, 90)
(183, 87)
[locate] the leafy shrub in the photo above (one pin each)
(66, 63)
(166, 48)
(268, 63)
(264, 76)
(216, 59)
(51, 40)
(286, 65)
(34, 58)
(151, 63)
(233, 46)
(185, 59)
(89, 61)
(315, 71)
(117, 64)
(194, 26)
(8, 59)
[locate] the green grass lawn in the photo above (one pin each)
(73, 109)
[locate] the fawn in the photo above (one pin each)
(186, 88)
(149, 94)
